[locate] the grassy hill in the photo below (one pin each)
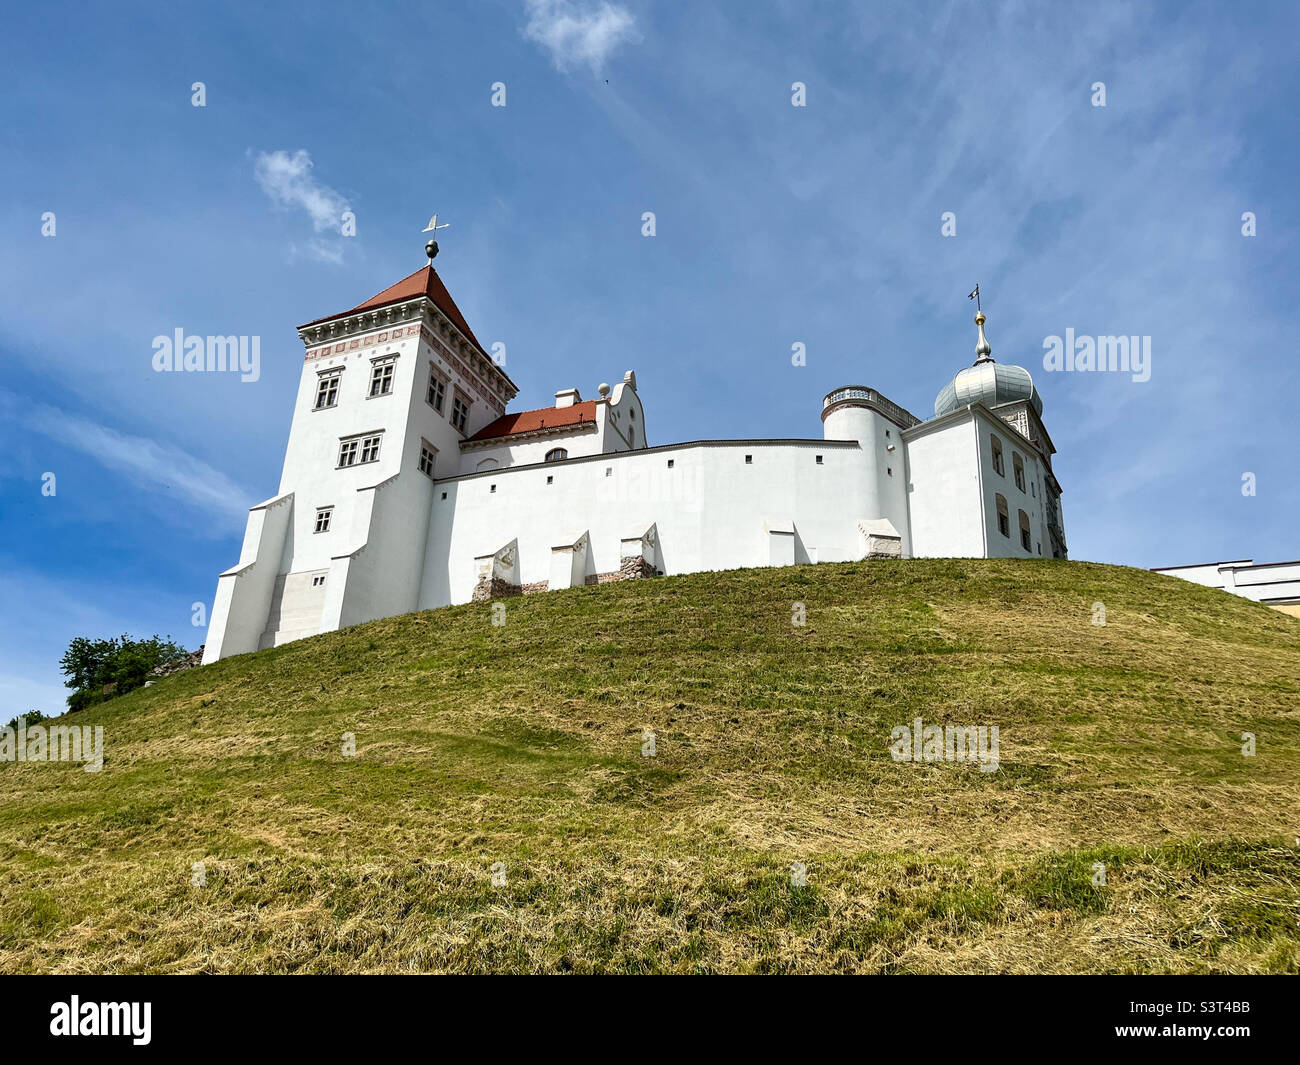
(522, 745)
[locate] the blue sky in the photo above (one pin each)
(775, 224)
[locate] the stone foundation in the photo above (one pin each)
(635, 568)
(493, 589)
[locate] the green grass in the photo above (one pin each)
(521, 745)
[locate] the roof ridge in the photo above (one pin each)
(432, 287)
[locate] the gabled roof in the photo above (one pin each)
(544, 419)
(424, 282)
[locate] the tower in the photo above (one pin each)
(1008, 392)
(388, 391)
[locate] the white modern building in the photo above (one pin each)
(407, 484)
(1275, 584)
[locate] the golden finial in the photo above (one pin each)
(983, 352)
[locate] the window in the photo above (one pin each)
(492, 489)
(318, 581)
(1018, 468)
(749, 460)
(889, 470)
(609, 471)
(444, 495)
(550, 480)
(427, 454)
(556, 454)
(323, 515)
(381, 376)
(819, 460)
(459, 412)
(359, 449)
(998, 465)
(327, 390)
(670, 464)
(436, 396)
(1025, 538)
(1004, 517)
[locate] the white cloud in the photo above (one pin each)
(576, 35)
(288, 181)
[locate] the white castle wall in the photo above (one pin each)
(712, 510)
(946, 501)
(1274, 583)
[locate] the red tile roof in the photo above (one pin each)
(530, 421)
(424, 282)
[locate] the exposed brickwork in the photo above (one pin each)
(493, 589)
(537, 586)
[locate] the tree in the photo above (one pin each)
(99, 669)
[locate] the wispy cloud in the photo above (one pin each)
(578, 34)
(289, 182)
(162, 468)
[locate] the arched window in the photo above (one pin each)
(1000, 469)
(488, 464)
(1018, 466)
(1026, 540)
(1004, 516)
(556, 454)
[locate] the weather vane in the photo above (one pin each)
(973, 296)
(431, 249)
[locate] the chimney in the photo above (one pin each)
(567, 397)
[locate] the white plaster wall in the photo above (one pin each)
(622, 420)
(580, 442)
(711, 510)
(945, 500)
(310, 464)
(994, 484)
(885, 483)
(243, 599)
(1266, 581)
(1030, 500)
(382, 577)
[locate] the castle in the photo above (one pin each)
(407, 485)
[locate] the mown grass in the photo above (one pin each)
(1123, 832)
